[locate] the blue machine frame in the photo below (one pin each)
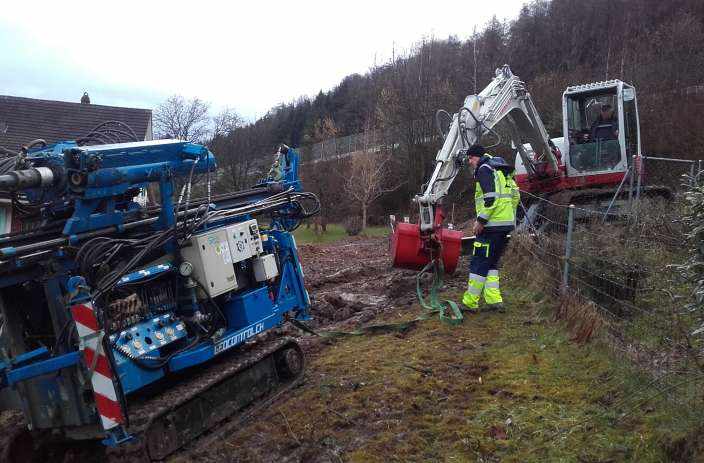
(93, 187)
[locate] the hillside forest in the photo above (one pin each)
(656, 45)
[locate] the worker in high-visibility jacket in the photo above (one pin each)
(496, 199)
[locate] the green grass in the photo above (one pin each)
(335, 232)
(499, 387)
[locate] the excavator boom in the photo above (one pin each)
(504, 102)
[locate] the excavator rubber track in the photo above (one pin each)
(189, 407)
(598, 197)
(551, 213)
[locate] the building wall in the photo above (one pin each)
(149, 134)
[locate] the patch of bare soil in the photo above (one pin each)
(353, 280)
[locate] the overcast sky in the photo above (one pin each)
(246, 55)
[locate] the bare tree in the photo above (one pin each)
(184, 119)
(324, 177)
(225, 122)
(368, 180)
(234, 148)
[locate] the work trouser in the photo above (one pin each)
(484, 269)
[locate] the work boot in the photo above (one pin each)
(499, 307)
(470, 303)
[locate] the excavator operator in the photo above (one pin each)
(496, 199)
(605, 127)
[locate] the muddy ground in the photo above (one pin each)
(499, 387)
(353, 280)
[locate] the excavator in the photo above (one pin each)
(589, 165)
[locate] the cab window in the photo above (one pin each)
(593, 131)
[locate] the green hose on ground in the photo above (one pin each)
(433, 306)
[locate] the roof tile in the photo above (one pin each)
(25, 119)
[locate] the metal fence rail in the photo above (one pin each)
(375, 140)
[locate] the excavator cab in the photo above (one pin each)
(600, 128)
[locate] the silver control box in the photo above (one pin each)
(210, 255)
(244, 240)
(265, 268)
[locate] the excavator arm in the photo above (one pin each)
(504, 102)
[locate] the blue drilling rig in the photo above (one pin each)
(131, 322)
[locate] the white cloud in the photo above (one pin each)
(246, 55)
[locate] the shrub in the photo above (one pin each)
(353, 225)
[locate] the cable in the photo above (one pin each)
(109, 132)
(190, 180)
(33, 143)
(7, 152)
(144, 360)
(481, 123)
(438, 123)
(212, 302)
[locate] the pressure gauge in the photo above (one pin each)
(185, 269)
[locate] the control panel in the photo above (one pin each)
(142, 338)
(244, 240)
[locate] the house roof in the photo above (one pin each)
(25, 119)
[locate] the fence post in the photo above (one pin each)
(568, 249)
(632, 173)
(640, 170)
(691, 174)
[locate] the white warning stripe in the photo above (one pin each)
(93, 344)
(108, 423)
(83, 330)
(103, 386)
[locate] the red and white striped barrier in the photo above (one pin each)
(102, 378)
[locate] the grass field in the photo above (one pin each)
(334, 233)
(497, 388)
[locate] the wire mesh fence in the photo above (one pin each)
(620, 276)
(341, 147)
(669, 171)
(623, 270)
